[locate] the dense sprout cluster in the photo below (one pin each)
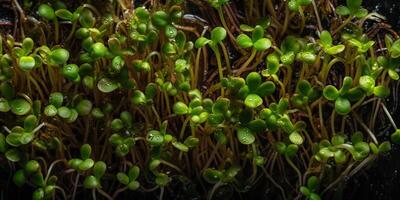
(123, 98)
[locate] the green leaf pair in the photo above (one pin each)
(214, 176)
(146, 97)
(274, 113)
(353, 8)
(342, 102)
(129, 179)
(286, 150)
(273, 64)
(310, 189)
(93, 181)
(254, 90)
(289, 48)
(294, 5)
(258, 42)
(326, 42)
(217, 35)
(367, 83)
(363, 44)
(85, 163)
(219, 112)
(122, 144)
(22, 136)
(195, 109)
(327, 149)
(305, 94)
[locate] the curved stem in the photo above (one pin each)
(51, 168)
(220, 70)
(294, 168)
(248, 61)
(104, 194)
(388, 115)
(347, 21)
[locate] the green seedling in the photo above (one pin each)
(218, 34)
(310, 189)
(353, 8)
(258, 42)
(326, 42)
(130, 179)
(305, 94)
(341, 97)
(255, 90)
(195, 109)
(294, 5)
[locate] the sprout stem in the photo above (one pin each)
(295, 169)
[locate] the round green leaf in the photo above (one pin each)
(70, 71)
(200, 42)
(326, 39)
(133, 173)
(342, 10)
(13, 155)
(253, 101)
(107, 85)
(340, 157)
(86, 164)
(91, 182)
(64, 112)
(342, 106)
(64, 14)
(155, 138)
(26, 137)
(98, 50)
(367, 83)
(4, 105)
(32, 166)
(181, 147)
(20, 106)
(47, 12)
(395, 137)
(244, 41)
(26, 63)
(180, 108)
(245, 136)
(85, 151)
(133, 185)
(138, 98)
(253, 80)
(59, 56)
(262, 44)
(385, 147)
(381, 91)
(162, 179)
(331, 93)
(99, 169)
(86, 18)
(19, 178)
(123, 178)
(218, 34)
(84, 107)
(160, 19)
(27, 45)
(212, 175)
(335, 49)
(296, 138)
